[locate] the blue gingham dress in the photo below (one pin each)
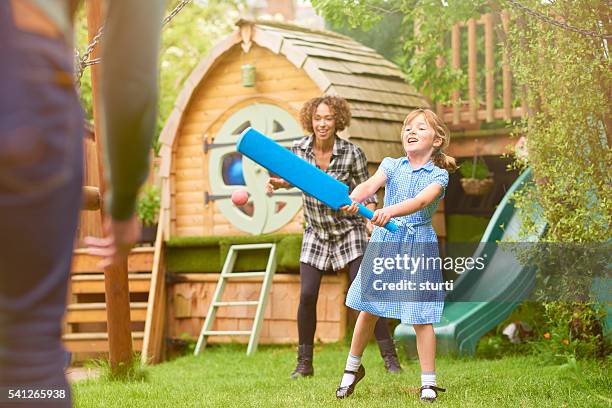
(415, 233)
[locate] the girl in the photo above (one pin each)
(414, 185)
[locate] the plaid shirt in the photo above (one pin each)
(334, 238)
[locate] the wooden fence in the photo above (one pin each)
(480, 101)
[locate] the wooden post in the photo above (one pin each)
(153, 342)
(456, 52)
(115, 278)
(472, 61)
(440, 63)
(506, 74)
(489, 67)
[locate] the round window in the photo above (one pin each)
(230, 171)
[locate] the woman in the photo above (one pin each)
(332, 239)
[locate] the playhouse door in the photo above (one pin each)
(230, 171)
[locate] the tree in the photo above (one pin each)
(186, 39)
(568, 81)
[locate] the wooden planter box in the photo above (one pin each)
(189, 299)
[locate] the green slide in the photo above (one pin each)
(504, 282)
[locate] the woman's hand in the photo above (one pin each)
(274, 183)
(351, 209)
(369, 227)
(381, 217)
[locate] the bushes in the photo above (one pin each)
(563, 331)
(573, 330)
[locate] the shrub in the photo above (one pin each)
(480, 171)
(148, 205)
(572, 330)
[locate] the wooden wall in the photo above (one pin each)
(188, 303)
(218, 96)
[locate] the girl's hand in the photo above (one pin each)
(351, 209)
(274, 183)
(381, 217)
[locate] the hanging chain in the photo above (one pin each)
(554, 22)
(174, 12)
(83, 61)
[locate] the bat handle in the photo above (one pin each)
(366, 212)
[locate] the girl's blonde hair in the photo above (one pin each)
(439, 158)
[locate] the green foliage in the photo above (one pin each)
(185, 41)
(562, 332)
(148, 204)
(385, 36)
(568, 80)
(572, 331)
(479, 171)
(418, 53)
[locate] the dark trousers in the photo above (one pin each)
(310, 282)
(41, 147)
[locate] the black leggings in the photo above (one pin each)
(310, 282)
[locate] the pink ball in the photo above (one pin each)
(240, 197)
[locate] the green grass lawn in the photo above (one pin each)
(224, 377)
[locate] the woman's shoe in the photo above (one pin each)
(343, 392)
(304, 366)
(430, 387)
(389, 355)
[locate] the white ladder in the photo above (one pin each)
(228, 273)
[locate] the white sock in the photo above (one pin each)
(352, 364)
(428, 378)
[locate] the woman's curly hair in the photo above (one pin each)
(338, 106)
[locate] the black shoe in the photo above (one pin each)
(343, 392)
(389, 355)
(430, 387)
(304, 366)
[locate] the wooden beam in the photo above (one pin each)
(489, 67)
(495, 145)
(116, 279)
(506, 73)
(153, 342)
(139, 260)
(440, 63)
(456, 55)
(472, 61)
(91, 198)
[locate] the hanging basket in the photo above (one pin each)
(477, 187)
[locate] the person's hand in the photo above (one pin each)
(369, 227)
(381, 217)
(119, 238)
(274, 183)
(351, 209)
